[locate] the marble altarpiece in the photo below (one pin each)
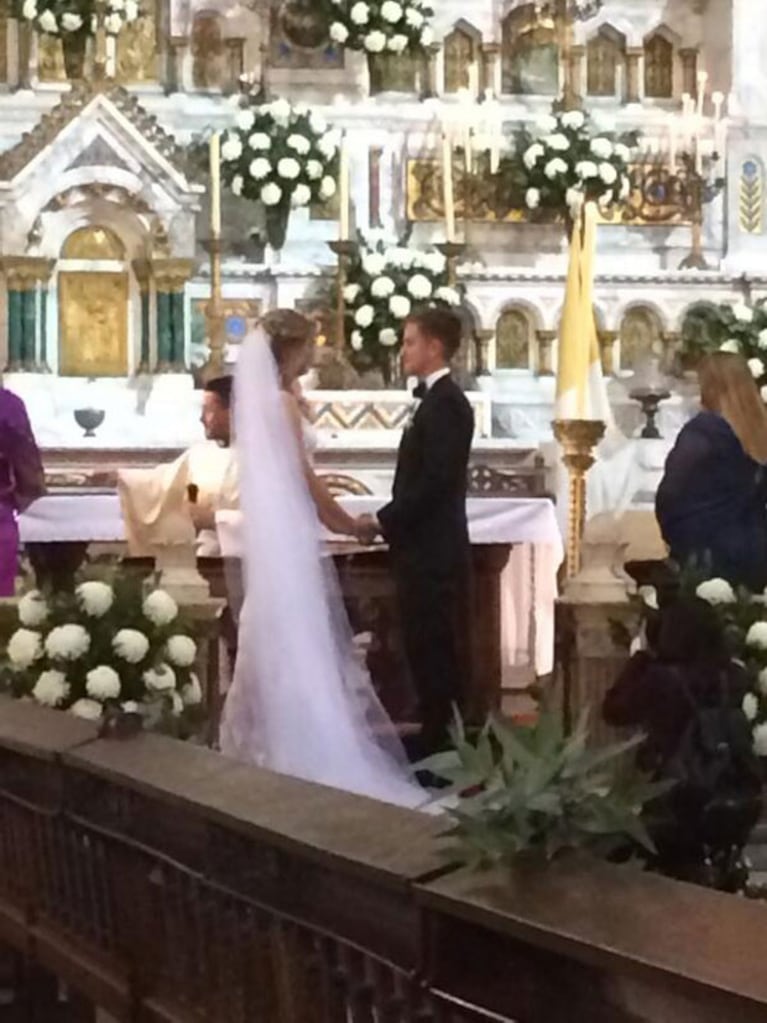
(101, 185)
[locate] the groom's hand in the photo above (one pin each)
(367, 529)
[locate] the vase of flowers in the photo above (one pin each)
(100, 650)
(729, 327)
(385, 283)
(380, 27)
(567, 161)
(282, 156)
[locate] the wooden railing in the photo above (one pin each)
(165, 883)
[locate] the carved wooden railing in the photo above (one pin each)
(167, 884)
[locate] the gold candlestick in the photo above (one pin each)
(344, 250)
(215, 317)
(452, 251)
(578, 438)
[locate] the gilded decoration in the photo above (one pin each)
(93, 324)
(93, 243)
(23, 273)
(640, 336)
(605, 54)
(658, 68)
(656, 196)
(137, 54)
(751, 197)
(513, 340)
(172, 274)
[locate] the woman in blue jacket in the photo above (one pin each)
(712, 502)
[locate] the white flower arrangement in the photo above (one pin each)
(100, 650)
(730, 327)
(69, 17)
(716, 591)
(386, 282)
(282, 156)
(382, 26)
(566, 161)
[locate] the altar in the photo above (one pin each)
(528, 583)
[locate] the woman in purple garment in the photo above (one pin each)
(22, 481)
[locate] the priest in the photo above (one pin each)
(176, 503)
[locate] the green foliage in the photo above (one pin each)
(526, 788)
(734, 327)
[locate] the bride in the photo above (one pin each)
(300, 702)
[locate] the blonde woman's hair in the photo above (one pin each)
(727, 386)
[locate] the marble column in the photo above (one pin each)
(634, 83)
(170, 277)
(26, 282)
(142, 271)
(607, 340)
(544, 361)
(689, 58)
(491, 68)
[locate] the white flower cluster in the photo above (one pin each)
(386, 283)
(738, 328)
(119, 13)
(50, 19)
(86, 663)
(280, 155)
(568, 162)
(382, 26)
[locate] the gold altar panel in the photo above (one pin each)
(93, 324)
(137, 49)
(93, 243)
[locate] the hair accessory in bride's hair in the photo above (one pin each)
(287, 330)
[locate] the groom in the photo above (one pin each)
(425, 523)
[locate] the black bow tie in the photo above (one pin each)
(420, 391)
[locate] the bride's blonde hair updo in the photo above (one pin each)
(289, 333)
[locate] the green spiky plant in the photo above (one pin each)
(532, 788)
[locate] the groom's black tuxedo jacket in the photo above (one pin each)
(425, 523)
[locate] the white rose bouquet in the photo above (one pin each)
(385, 283)
(58, 17)
(567, 161)
(105, 650)
(729, 327)
(381, 26)
(280, 155)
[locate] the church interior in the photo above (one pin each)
(173, 171)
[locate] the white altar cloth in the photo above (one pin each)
(529, 582)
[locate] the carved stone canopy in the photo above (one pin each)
(98, 156)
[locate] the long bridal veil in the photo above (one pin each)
(300, 702)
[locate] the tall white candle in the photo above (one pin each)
(672, 145)
(447, 185)
(344, 203)
(215, 185)
(717, 98)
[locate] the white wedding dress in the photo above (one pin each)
(300, 702)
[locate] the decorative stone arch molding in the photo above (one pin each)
(98, 160)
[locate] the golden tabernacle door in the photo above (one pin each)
(93, 324)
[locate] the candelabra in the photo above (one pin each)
(215, 317)
(697, 188)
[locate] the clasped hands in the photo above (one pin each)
(367, 529)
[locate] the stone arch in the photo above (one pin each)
(462, 48)
(660, 46)
(514, 338)
(529, 53)
(605, 62)
(208, 50)
(641, 335)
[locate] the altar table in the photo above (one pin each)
(528, 525)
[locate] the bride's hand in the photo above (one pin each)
(367, 529)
